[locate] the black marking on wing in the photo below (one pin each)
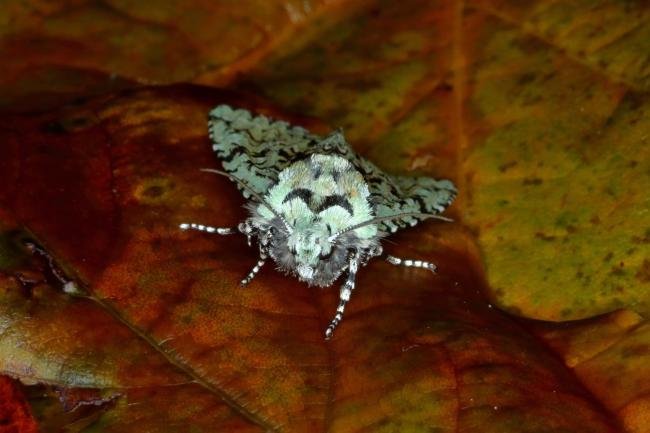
(335, 200)
(303, 194)
(259, 161)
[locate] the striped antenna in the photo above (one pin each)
(388, 218)
(252, 192)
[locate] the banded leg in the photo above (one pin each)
(208, 229)
(410, 263)
(344, 297)
(254, 271)
(247, 229)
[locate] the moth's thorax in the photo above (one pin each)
(321, 188)
(313, 201)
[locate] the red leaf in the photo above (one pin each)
(415, 350)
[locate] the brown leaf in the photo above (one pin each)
(64, 50)
(538, 110)
(416, 351)
(609, 354)
(481, 92)
(15, 414)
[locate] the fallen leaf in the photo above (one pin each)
(609, 354)
(415, 350)
(15, 413)
(538, 111)
(67, 50)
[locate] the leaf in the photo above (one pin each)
(543, 106)
(609, 354)
(415, 351)
(475, 91)
(560, 170)
(15, 415)
(65, 50)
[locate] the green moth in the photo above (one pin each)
(317, 209)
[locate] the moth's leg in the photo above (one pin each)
(344, 296)
(264, 254)
(410, 263)
(247, 229)
(255, 270)
(208, 229)
(372, 251)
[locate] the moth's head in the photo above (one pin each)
(309, 246)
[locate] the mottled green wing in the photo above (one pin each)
(256, 148)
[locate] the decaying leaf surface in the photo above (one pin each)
(63, 50)
(537, 110)
(73, 344)
(15, 414)
(558, 177)
(544, 106)
(609, 354)
(414, 352)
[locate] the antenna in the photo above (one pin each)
(252, 192)
(388, 218)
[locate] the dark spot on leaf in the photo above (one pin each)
(617, 270)
(608, 256)
(78, 122)
(645, 239)
(639, 350)
(643, 274)
(571, 228)
(544, 237)
(54, 128)
(80, 100)
(610, 192)
(63, 126)
(506, 166)
(154, 191)
(526, 78)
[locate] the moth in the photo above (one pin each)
(317, 209)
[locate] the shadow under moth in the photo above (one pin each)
(317, 209)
